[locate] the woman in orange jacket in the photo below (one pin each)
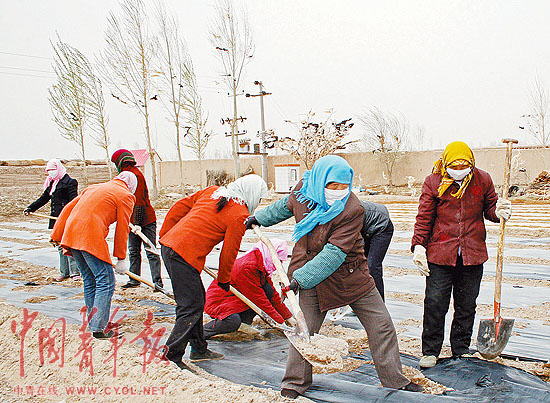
(82, 228)
(191, 229)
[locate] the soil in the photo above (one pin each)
(37, 300)
(324, 353)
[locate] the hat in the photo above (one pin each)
(121, 156)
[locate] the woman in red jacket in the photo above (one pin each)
(449, 246)
(251, 275)
(191, 229)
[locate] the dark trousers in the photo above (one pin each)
(376, 247)
(134, 252)
(229, 324)
(464, 282)
(189, 294)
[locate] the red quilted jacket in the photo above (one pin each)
(445, 223)
(248, 276)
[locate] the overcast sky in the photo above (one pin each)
(460, 69)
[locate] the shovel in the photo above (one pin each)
(493, 334)
(300, 333)
(264, 316)
(147, 282)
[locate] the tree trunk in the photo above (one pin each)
(234, 135)
(83, 153)
(108, 161)
(180, 160)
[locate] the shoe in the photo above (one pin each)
(183, 366)
(428, 361)
(60, 278)
(207, 355)
(464, 355)
(76, 278)
(129, 284)
(289, 393)
(413, 387)
(108, 335)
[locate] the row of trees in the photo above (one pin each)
(140, 62)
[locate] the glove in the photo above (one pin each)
(55, 244)
(120, 267)
(135, 229)
(294, 286)
(27, 211)
(420, 260)
(291, 322)
(250, 221)
(224, 286)
(504, 209)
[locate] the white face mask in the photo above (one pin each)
(52, 173)
(458, 174)
(332, 195)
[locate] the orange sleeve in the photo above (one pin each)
(59, 227)
(231, 244)
(124, 210)
(178, 211)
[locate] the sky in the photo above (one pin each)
(460, 69)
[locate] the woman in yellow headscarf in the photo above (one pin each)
(449, 245)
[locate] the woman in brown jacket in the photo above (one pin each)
(449, 246)
(329, 268)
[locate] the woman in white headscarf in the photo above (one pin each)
(191, 229)
(60, 189)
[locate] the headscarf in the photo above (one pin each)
(280, 246)
(121, 156)
(456, 153)
(61, 171)
(327, 169)
(248, 190)
(130, 179)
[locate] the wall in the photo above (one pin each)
(369, 168)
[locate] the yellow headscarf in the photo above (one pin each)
(456, 153)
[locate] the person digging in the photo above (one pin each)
(192, 228)
(144, 218)
(449, 246)
(329, 269)
(81, 230)
(251, 275)
(59, 190)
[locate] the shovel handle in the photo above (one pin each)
(43, 216)
(264, 316)
(500, 245)
(148, 283)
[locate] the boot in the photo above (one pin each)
(207, 355)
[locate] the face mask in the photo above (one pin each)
(332, 195)
(52, 174)
(458, 174)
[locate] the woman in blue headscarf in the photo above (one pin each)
(329, 268)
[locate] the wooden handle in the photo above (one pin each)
(43, 216)
(147, 282)
(502, 227)
(264, 316)
(283, 278)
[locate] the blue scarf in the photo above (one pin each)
(327, 169)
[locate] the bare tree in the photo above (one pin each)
(127, 62)
(98, 120)
(315, 140)
(536, 121)
(232, 38)
(197, 137)
(67, 97)
(387, 135)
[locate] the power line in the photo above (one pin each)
(25, 75)
(25, 55)
(24, 68)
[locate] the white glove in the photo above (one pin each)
(504, 209)
(420, 260)
(120, 267)
(135, 228)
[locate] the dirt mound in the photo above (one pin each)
(540, 187)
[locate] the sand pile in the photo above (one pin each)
(540, 187)
(170, 383)
(326, 354)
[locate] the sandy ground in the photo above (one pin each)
(206, 387)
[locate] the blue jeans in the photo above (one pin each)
(99, 286)
(67, 265)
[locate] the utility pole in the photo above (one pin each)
(263, 151)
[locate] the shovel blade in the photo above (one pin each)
(489, 343)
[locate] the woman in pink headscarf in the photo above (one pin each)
(60, 188)
(251, 275)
